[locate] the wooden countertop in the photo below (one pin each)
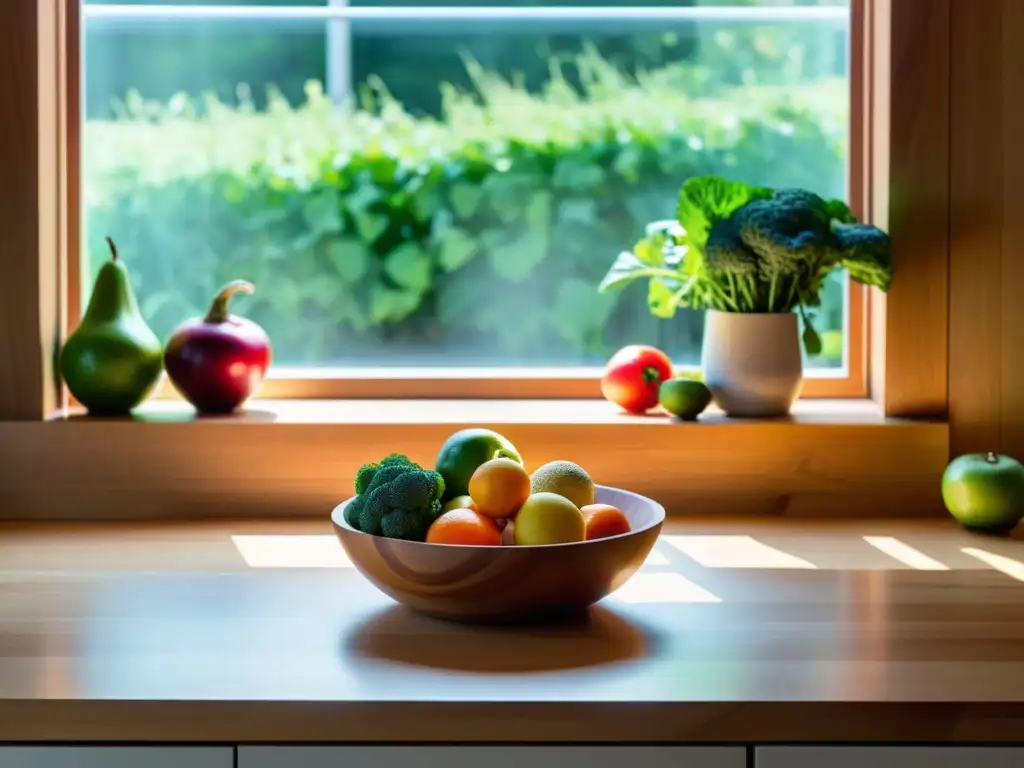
(261, 632)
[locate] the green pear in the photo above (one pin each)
(113, 360)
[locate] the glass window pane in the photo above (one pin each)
(415, 191)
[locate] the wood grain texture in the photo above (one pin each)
(1012, 300)
(158, 632)
(30, 211)
(909, 69)
(987, 256)
(72, 102)
(977, 218)
(280, 461)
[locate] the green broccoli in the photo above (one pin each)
(365, 475)
(741, 248)
(725, 250)
(728, 259)
(766, 247)
(396, 498)
(788, 231)
(866, 252)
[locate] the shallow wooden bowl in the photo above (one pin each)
(481, 583)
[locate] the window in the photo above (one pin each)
(435, 193)
(908, 126)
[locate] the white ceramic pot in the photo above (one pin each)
(752, 362)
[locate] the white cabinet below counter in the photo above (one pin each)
(116, 757)
(889, 757)
(492, 757)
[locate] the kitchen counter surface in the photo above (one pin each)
(733, 631)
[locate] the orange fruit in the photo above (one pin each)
(499, 487)
(464, 526)
(604, 520)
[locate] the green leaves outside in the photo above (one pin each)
(390, 305)
(350, 258)
(409, 267)
(322, 212)
(453, 233)
(456, 248)
(465, 199)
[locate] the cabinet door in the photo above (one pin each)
(116, 757)
(492, 757)
(889, 757)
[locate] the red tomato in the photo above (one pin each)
(633, 376)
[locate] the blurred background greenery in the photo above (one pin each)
(462, 205)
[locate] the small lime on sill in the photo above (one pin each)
(684, 398)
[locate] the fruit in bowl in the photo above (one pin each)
(466, 450)
(499, 487)
(464, 526)
(547, 518)
(566, 479)
(512, 547)
(603, 520)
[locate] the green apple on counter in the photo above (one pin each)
(985, 491)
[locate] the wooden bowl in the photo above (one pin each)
(481, 583)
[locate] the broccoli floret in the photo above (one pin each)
(726, 252)
(353, 510)
(866, 252)
(396, 498)
(411, 526)
(839, 211)
(366, 473)
(788, 231)
(364, 477)
(398, 460)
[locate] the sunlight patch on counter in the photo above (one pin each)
(656, 558)
(905, 553)
(295, 551)
(662, 588)
(1012, 568)
(729, 551)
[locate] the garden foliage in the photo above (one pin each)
(376, 236)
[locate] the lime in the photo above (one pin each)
(466, 450)
(547, 518)
(459, 502)
(566, 479)
(684, 398)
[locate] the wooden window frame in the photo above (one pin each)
(850, 381)
(824, 461)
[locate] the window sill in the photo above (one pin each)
(298, 458)
(390, 412)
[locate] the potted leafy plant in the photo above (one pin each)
(755, 258)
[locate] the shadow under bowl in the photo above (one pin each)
(602, 637)
(506, 583)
